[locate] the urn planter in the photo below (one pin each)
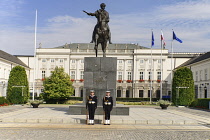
(163, 106)
(35, 105)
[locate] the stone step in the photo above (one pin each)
(99, 121)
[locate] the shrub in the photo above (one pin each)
(58, 86)
(183, 78)
(163, 102)
(201, 103)
(17, 78)
(135, 99)
(3, 100)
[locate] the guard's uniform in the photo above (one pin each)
(91, 105)
(107, 106)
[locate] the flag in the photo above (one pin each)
(176, 38)
(162, 39)
(153, 41)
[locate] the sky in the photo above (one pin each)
(131, 21)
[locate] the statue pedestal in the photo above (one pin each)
(99, 75)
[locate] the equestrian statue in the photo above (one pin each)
(101, 33)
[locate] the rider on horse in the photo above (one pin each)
(102, 22)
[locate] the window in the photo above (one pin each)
(129, 61)
(149, 93)
(150, 61)
(120, 61)
(158, 94)
(118, 93)
(119, 75)
(52, 60)
(43, 74)
(196, 76)
(61, 60)
(141, 77)
(206, 75)
(159, 60)
(201, 73)
(81, 74)
(5, 74)
(159, 75)
(73, 61)
(129, 76)
(141, 93)
(44, 60)
(72, 74)
(141, 61)
(150, 76)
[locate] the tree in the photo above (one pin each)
(18, 89)
(183, 78)
(58, 86)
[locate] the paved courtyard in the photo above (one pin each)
(144, 122)
(100, 134)
(138, 115)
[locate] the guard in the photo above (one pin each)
(107, 106)
(91, 105)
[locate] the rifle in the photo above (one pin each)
(87, 110)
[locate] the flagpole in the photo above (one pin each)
(161, 69)
(151, 72)
(171, 64)
(34, 55)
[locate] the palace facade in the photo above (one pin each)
(138, 68)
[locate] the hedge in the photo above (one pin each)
(201, 103)
(3, 101)
(135, 99)
(62, 101)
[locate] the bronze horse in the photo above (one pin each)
(101, 34)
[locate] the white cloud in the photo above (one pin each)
(10, 8)
(188, 10)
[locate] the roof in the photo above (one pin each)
(196, 59)
(11, 58)
(109, 46)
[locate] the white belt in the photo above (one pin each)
(91, 102)
(107, 103)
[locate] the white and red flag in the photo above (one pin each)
(162, 39)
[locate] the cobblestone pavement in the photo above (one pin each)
(19, 130)
(8, 109)
(59, 114)
(100, 134)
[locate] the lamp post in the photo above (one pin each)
(205, 92)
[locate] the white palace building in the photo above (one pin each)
(137, 66)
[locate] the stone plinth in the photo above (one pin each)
(100, 75)
(81, 110)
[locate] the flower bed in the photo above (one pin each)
(129, 81)
(81, 80)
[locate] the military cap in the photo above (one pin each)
(108, 91)
(92, 91)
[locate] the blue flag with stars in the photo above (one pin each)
(176, 38)
(153, 40)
